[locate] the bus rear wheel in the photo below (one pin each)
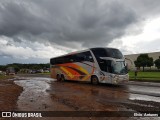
(58, 77)
(62, 78)
(94, 80)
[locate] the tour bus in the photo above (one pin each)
(95, 65)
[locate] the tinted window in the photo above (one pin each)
(85, 56)
(99, 52)
(88, 56)
(52, 61)
(67, 59)
(105, 65)
(115, 53)
(107, 52)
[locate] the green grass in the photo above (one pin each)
(145, 76)
(3, 77)
(48, 73)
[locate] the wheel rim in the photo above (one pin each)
(58, 78)
(62, 78)
(94, 80)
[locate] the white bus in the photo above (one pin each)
(95, 65)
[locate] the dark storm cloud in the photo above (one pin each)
(88, 22)
(145, 8)
(62, 21)
(16, 18)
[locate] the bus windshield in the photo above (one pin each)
(107, 65)
(107, 52)
(119, 67)
(110, 66)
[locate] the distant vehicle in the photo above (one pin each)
(33, 71)
(46, 71)
(40, 71)
(10, 71)
(1, 72)
(95, 65)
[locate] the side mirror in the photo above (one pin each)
(114, 62)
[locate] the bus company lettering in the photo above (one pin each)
(14, 114)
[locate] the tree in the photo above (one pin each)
(150, 62)
(157, 63)
(15, 66)
(143, 60)
(2, 67)
(18, 66)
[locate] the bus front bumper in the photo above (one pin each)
(117, 79)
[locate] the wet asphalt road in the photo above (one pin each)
(46, 94)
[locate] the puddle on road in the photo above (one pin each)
(144, 97)
(144, 93)
(145, 89)
(34, 96)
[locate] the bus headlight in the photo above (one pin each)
(115, 79)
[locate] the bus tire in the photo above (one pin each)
(58, 77)
(62, 78)
(94, 80)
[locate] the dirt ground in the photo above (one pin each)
(9, 93)
(41, 93)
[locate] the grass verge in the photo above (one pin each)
(3, 77)
(145, 76)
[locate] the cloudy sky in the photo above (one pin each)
(33, 31)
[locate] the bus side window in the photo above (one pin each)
(52, 61)
(109, 66)
(105, 65)
(90, 59)
(109, 69)
(79, 57)
(88, 56)
(66, 60)
(102, 64)
(71, 58)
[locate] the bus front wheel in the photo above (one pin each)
(94, 80)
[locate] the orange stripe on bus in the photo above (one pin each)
(73, 72)
(75, 66)
(70, 72)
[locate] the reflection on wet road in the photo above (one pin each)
(47, 94)
(34, 92)
(147, 93)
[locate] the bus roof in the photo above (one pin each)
(72, 53)
(75, 52)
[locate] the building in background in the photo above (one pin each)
(132, 57)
